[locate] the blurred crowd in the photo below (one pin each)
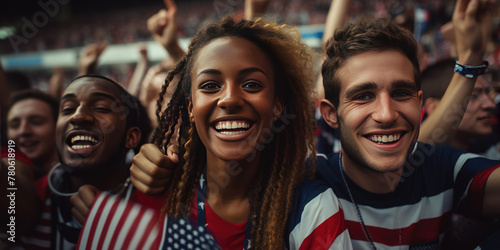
(80, 130)
(127, 26)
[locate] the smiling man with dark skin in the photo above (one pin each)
(98, 124)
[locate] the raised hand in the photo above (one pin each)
(90, 56)
(151, 170)
(82, 202)
(163, 26)
(472, 26)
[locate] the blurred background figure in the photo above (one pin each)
(31, 124)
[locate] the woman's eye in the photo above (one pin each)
(252, 86)
(210, 86)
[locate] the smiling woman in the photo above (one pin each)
(228, 100)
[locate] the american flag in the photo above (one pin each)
(114, 223)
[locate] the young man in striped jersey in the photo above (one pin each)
(397, 192)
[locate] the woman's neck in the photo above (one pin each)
(230, 180)
(228, 188)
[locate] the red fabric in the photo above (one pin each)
(317, 132)
(228, 235)
(42, 187)
(318, 239)
(106, 225)
(417, 232)
(40, 238)
(4, 153)
(112, 217)
(154, 202)
(475, 193)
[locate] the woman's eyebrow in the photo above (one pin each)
(209, 71)
(242, 72)
(251, 70)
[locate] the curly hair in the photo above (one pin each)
(271, 196)
(363, 35)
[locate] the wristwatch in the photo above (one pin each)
(470, 71)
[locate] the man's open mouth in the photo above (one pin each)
(384, 139)
(81, 141)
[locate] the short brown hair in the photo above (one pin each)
(365, 34)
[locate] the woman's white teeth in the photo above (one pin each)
(83, 138)
(385, 138)
(231, 125)
(232, 132)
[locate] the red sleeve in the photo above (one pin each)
(472, 204)
(4, 153)
(154, 202)
(42, 186)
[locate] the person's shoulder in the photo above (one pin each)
(42, 187)
(432, 152)
(312, 191)
(327, 161)
(446, 157)
(316, 213)
(310, 186)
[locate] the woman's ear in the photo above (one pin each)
(278, 109)
(329, 113)
(190, 110)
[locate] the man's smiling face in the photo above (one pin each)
(91, 128)
(379, 110)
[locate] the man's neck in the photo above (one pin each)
(370, 180)
(48, 163)
(104, 181)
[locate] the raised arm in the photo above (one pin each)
(335, 18)
(134, 85)
(56, 82)
(89, 58)
(163, 26)
(471, 24)
(255, 8)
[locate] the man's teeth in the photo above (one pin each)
(80, 146)
(232, 125)
(83, 138)
(385, 138)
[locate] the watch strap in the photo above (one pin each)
(470, 71)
